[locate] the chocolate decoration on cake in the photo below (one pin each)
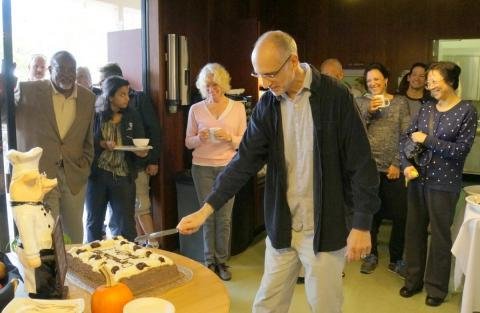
(115, 269)
(95, 244)
(80, 251)
(141, 265)
(95, 256)
(148, 253)
(161, 259)
(136, 247)
(123, 242)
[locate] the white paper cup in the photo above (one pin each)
(211, 132)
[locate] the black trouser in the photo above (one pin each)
(119, 191)
(393, 195)
(437, 208)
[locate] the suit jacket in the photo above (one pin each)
(37, 127)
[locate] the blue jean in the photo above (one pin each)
(104, 188)
(217, 227)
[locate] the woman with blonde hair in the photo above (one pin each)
(215, 129)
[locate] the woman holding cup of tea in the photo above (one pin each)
(386, 117)
(214, 131)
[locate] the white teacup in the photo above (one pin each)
(211, 132)
(140, 142)
(385, 101)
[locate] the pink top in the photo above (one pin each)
(233, 120)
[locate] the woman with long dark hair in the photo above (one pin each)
(112, 180)
(446, 129)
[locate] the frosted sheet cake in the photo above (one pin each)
(139, 268)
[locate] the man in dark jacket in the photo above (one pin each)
(321, 178)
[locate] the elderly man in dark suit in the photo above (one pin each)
(56, 115)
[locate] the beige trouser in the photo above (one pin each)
(142, 202)
(68, 206)
(323, 277)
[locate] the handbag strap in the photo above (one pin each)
(430, 122)
(431, 116)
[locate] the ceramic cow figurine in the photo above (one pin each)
(34, 222)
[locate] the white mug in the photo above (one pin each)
(211, 132)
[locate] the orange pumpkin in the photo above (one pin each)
(3, 270)
(111, 297)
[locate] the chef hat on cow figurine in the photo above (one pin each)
(34, 222)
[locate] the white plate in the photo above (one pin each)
(132, 148)
(27, 305)
(472, 190)
(149, 305)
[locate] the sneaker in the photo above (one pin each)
(300, 280)
(369, 264)
(212, 267)
(399, 268)
(223, 271)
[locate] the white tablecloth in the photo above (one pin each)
(466, 250)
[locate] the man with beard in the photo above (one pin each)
(56, 115)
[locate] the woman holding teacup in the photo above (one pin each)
(214, 130)
(446, 128)
(112, 180)
(386, 118)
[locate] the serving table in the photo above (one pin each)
(466, 250)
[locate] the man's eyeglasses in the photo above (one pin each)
(429, 84)
(271, 75)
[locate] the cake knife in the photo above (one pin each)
(143, 239)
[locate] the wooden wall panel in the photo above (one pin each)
(237, 38)
(396, 33)
(189, 18)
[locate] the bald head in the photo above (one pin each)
(272, 50)
(332, 68)
(63, 70)
(281, 41)
(275, 46)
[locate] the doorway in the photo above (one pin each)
(96, 32)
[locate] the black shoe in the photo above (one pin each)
(432, 301)
(300, 280)
(407, 293)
